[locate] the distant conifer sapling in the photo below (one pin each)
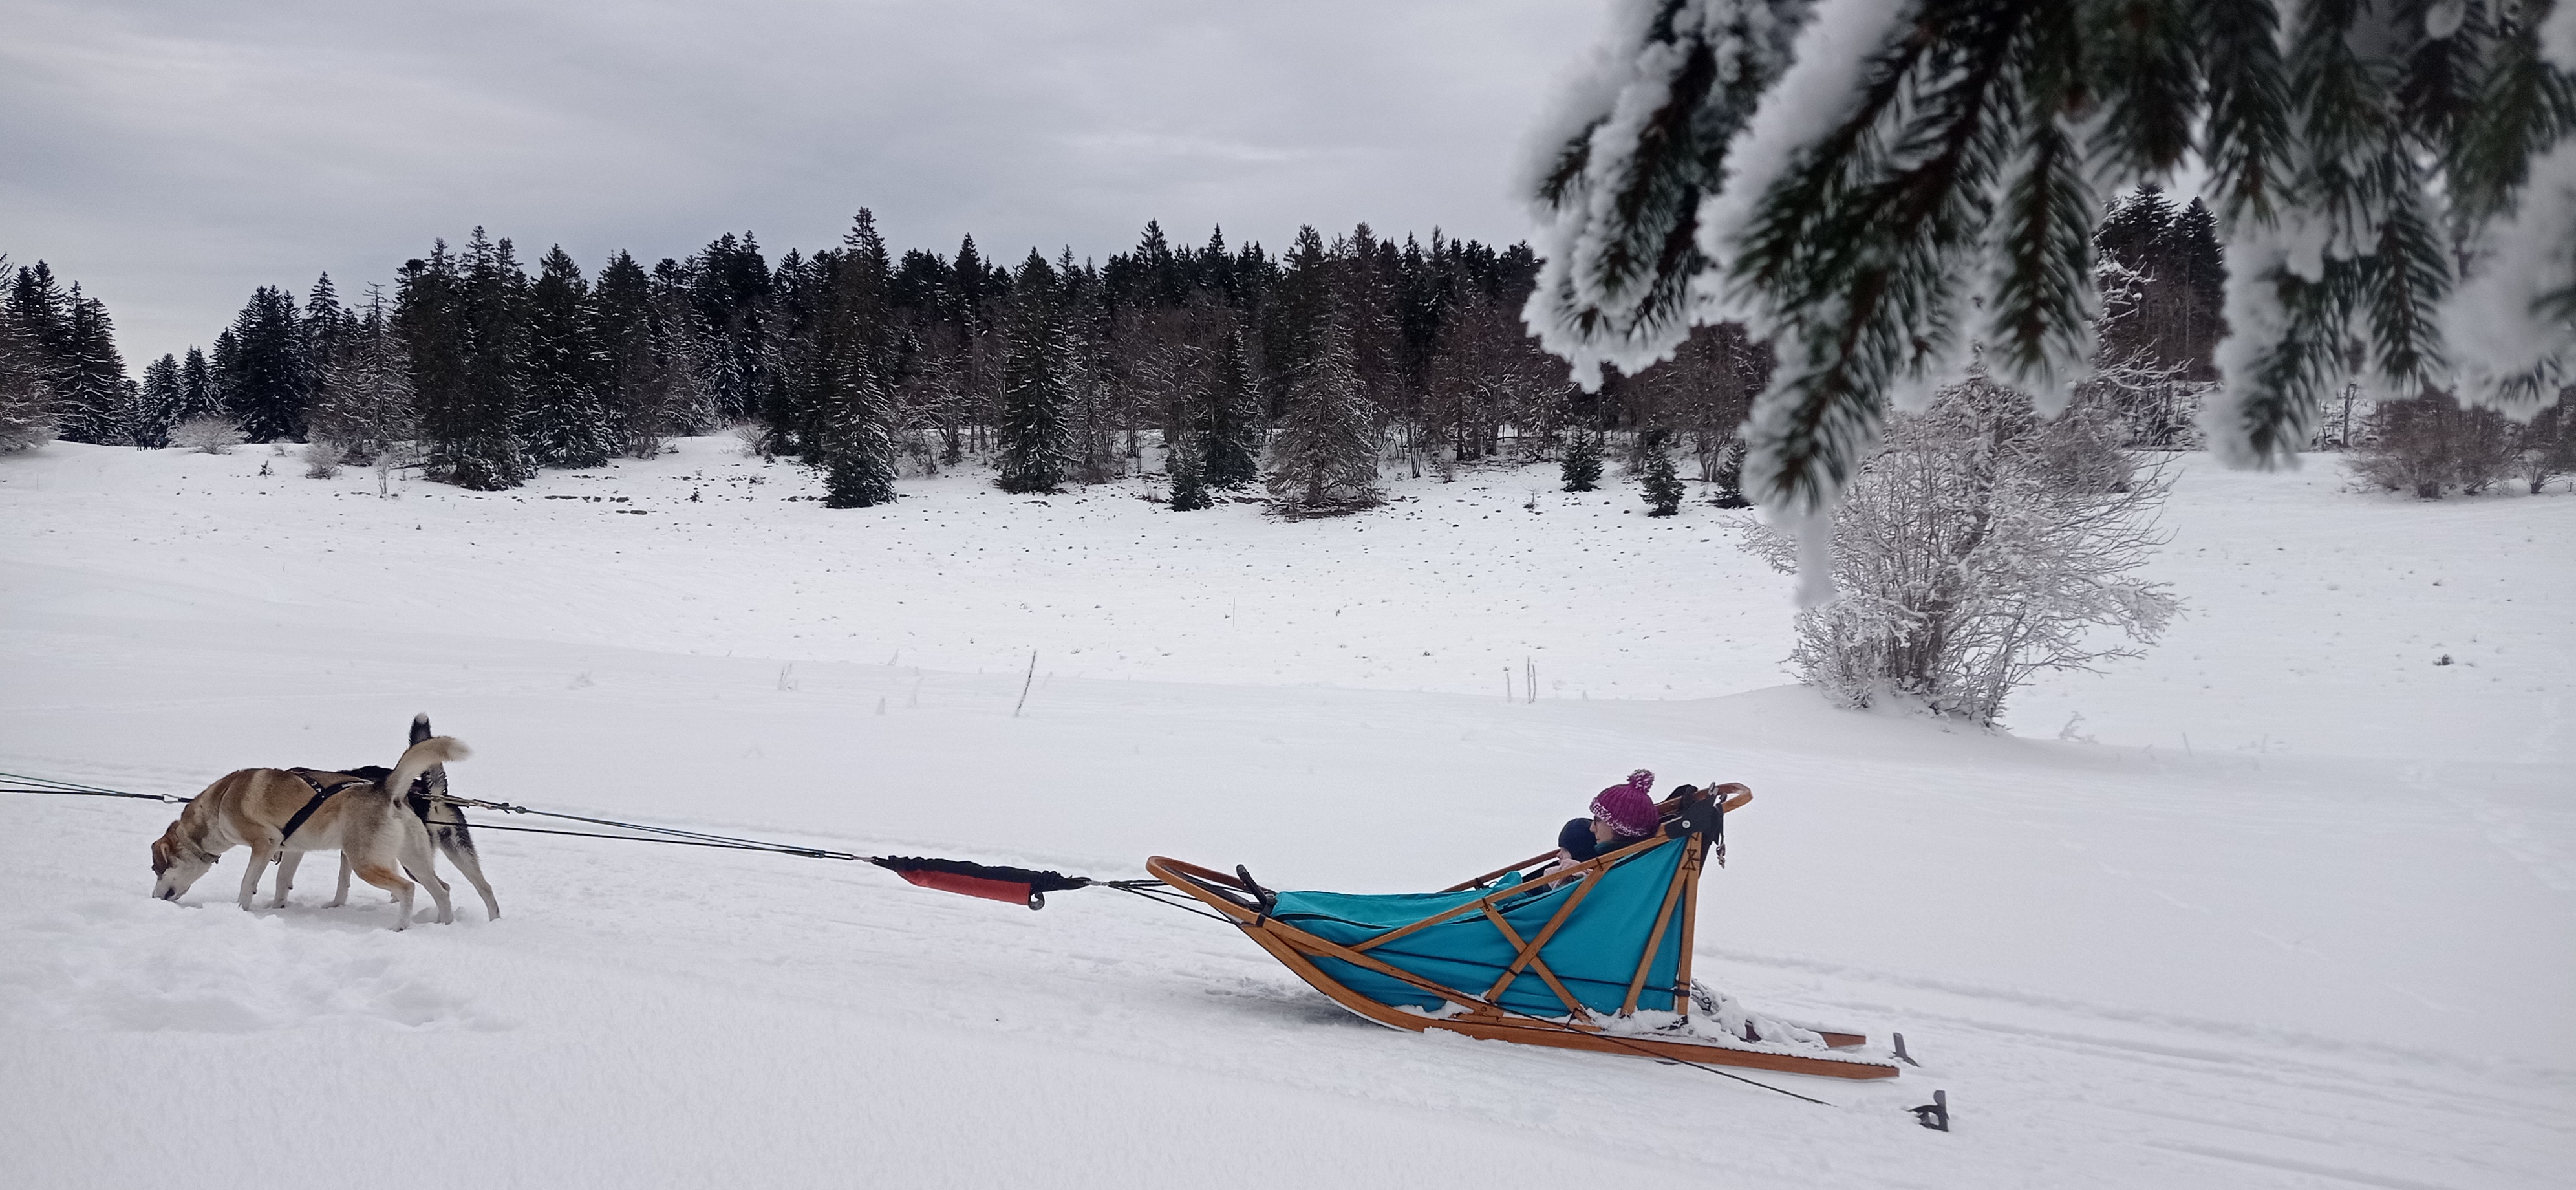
(1582, 469)
(1663, 487)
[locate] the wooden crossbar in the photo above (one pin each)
(1495, 993)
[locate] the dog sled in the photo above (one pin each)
(1596, 956)
(1592, 956)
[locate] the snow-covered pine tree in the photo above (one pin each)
(564, 423)
(41, 312)
(198, 396)
(1228, 441)
(1581, 469)
(1323, 455)
(1188, 472)
(267, 382)
(857, 354)
(1921, 175)
(631, 385)
(156, 404)
(461, 323)
(26, 397)
(93, 397)
(221, 368)
(1660, 484)
(1037, 387)
(732, 289)
(325, 324)
(1092, 415)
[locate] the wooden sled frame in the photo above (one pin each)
(1481, 1015)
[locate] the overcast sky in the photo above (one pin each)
(172, 155)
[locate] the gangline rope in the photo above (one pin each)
(1151, 890)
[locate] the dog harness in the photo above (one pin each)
(321, 793)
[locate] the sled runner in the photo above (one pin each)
(1596, 956)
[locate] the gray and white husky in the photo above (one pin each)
(445, 823)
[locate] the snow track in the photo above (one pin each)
(2128, 965)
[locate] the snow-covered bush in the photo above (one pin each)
(2548, 445)
(322, 458)
(208, 435)
(1981, 546)
(2429, 444)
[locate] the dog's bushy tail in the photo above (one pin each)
(417, 759)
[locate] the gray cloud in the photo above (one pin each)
(171, 156)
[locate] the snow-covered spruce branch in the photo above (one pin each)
(1875, 183)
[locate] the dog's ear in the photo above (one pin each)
(419, 728)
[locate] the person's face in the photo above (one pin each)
(1601, 832)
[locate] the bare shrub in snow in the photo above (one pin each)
(1981, 546)
(362, 399)
(208, 434)
(2548, 445)
(754, 439)
(2429, 444)
(322, 458)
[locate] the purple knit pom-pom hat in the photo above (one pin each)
(1629, 808)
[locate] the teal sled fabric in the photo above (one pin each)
(1594, 953)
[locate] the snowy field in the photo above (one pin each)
(2285, 903)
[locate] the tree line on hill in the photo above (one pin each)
(1305, 372)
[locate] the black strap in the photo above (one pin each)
(321, 794)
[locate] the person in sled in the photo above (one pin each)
(1621, 814)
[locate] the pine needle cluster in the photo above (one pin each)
(1927, 178)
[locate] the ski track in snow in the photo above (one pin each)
(2327, 942)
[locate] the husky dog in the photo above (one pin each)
(279, 814)
(446, 825)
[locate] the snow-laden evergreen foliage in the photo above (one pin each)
(265, 381)
(199, 395)
(463, 323)
(1980, 545)
(1323, 456)
(93, 397)
(564, 423)
(1918, 175)
(1188, 472)
(156, 404)
(1228, 442)
(1660, 484)
(1581, 470)
(26, 395)
(855, 368)
(1037, 389)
